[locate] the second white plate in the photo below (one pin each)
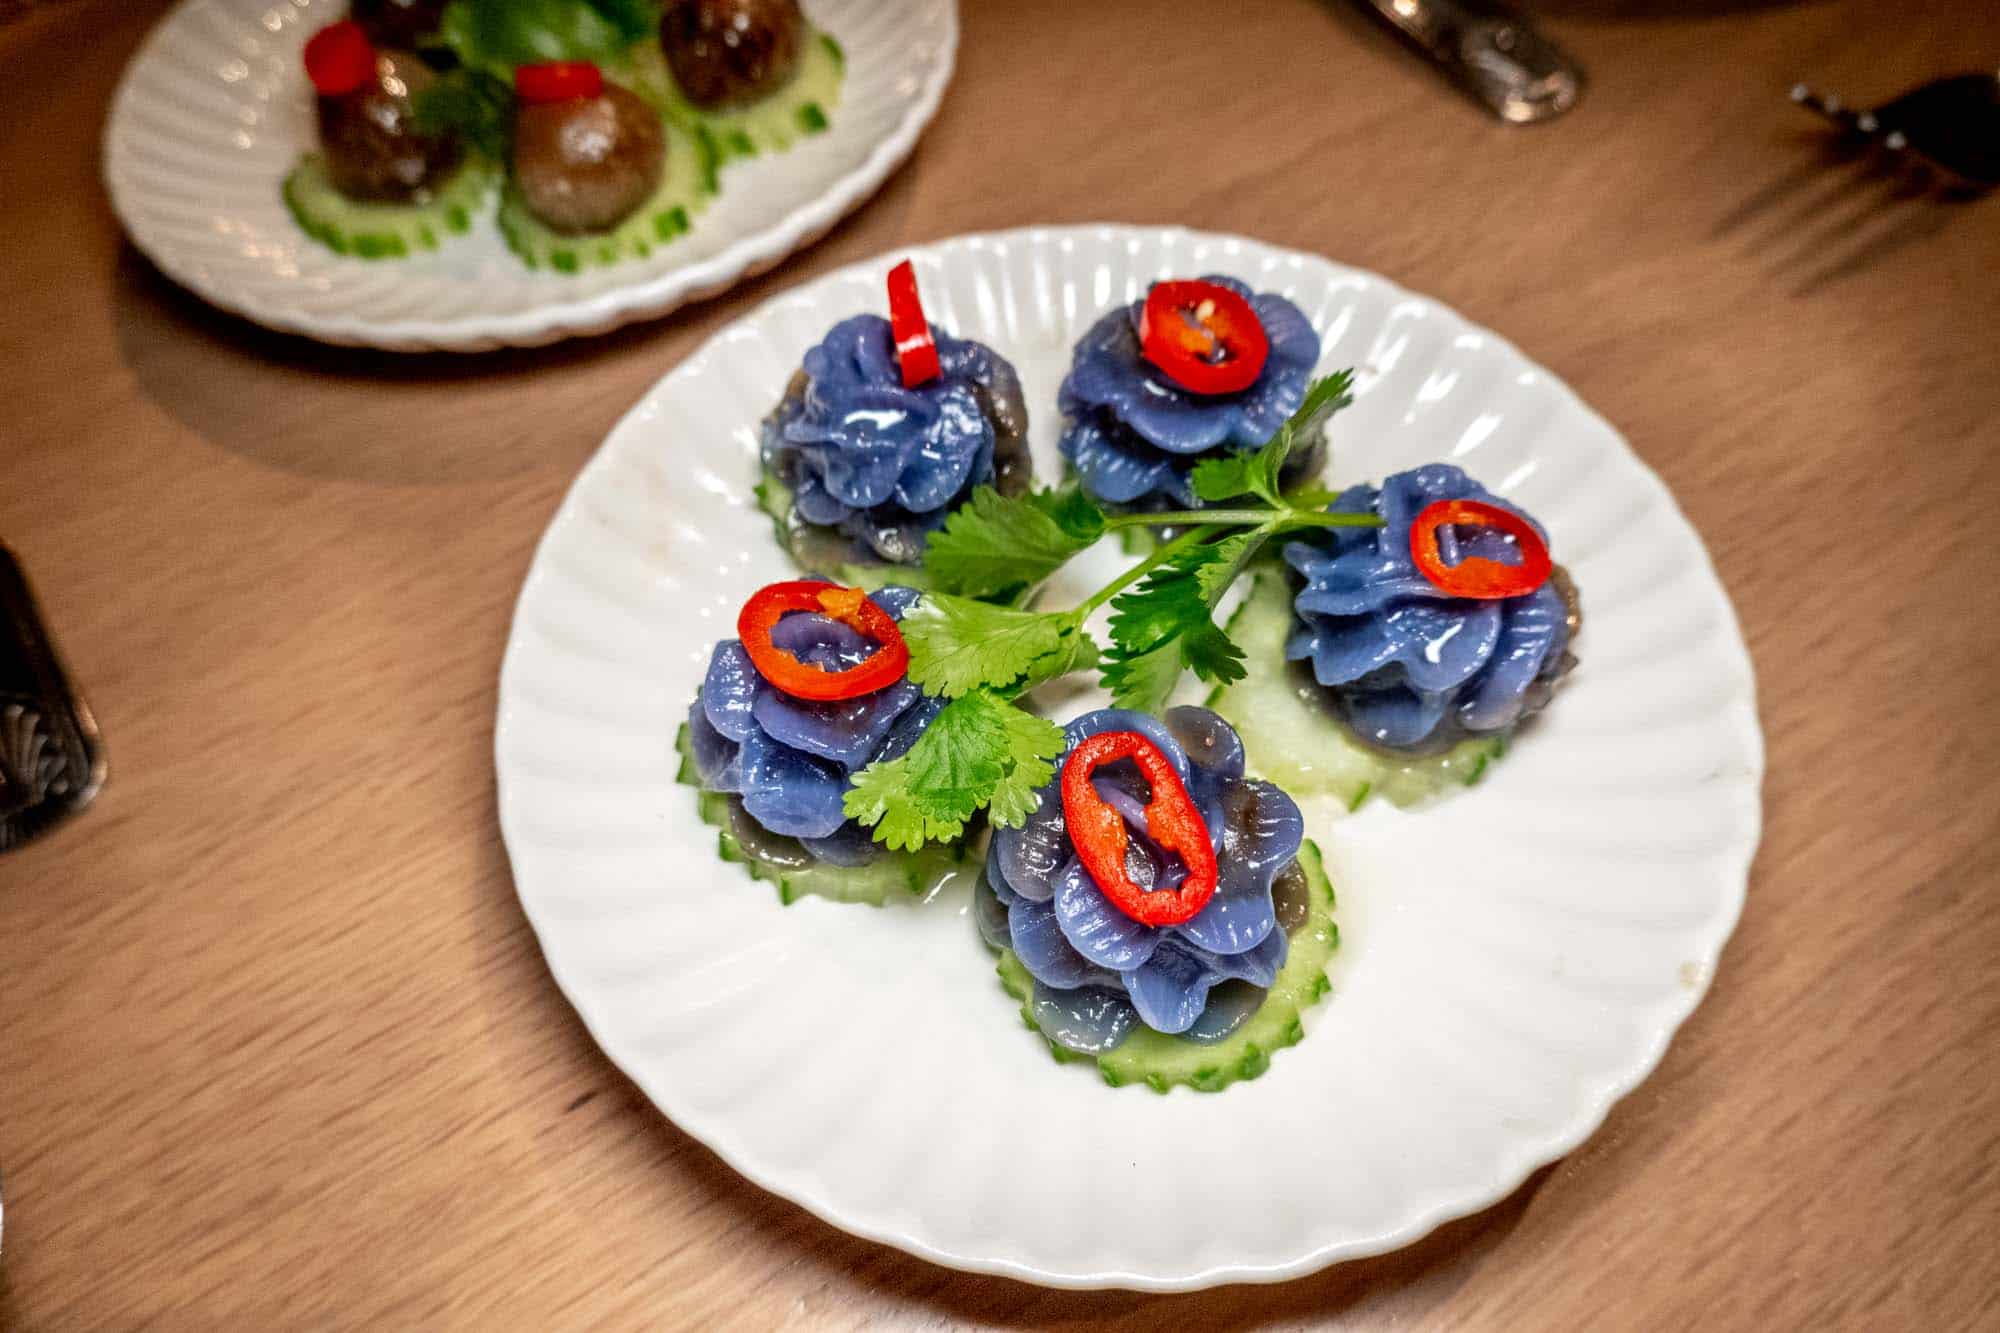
(1514, 959)
(214, 110)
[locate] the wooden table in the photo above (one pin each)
(276, 1045)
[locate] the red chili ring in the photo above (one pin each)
(1172, 819)
(916, 349)
(806, 680)
(1204, 336)
(1477, 576)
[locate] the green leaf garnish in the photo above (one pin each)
(995, 544)
(980, 752)
(1174, 604)
(1257, 473)
(1146, 681)
(958, 645)
(472, 104)
(497, 35)
(1226, 560)
(983, 752)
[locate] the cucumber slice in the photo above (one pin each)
(384, 231)
(684, 190)
(822, 551)
(801, 108)
(1296, 742)
(916, 874)
(1162, 1062)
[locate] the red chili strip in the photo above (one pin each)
(339, 59)
(1477, 576)
(557, 81)
(1172, 819)
(916, 350)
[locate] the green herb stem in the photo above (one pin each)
(1140, 568)
(1291, 518)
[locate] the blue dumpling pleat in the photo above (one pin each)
(847, 731)
(789, 791)
(1134, 436)
(1397, 653)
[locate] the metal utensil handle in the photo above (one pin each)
(1490, 51)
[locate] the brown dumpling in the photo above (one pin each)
(728, 52)
(584, 165)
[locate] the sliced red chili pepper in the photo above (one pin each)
(1477, 576)
(806, 680)
(916, 350)
(1172, 819)
(1204, 336)
(339, 59)
(557, 81)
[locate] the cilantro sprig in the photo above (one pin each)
(996, 545)
(981, 752)
(473, 104)
(958, 645)
(972, 642)
(1231, 475)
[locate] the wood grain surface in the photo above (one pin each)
(277, 1049)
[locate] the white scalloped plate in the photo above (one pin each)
(1514, 958)
(214, 109)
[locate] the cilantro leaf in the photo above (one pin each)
(1227, 476)
(1211, 654)
(471, 104)
(1173, 607)
(1162, 606)
(497, 35)
(1143, 681)
(995, 543)
(1077, 652)
(1324, 396)
(1071, 510)
(958, 645)
(1257, 473)
(980, 751)
(1227, 558)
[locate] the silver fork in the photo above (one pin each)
(1909, 165)
(1950, 126)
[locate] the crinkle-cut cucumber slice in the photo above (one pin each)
(1162, 1062)
(801, 108)
(895, 874)
(384, 231)
(819, 550)
(1298, 743)
(685, 188)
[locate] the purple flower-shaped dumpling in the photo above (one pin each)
(790, 761)
(881, 465)
(1134, 435)
(1106, 971)
(1407, 665)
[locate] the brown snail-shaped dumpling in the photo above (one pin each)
(585, 164)
(729, 52)
(370, 140)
